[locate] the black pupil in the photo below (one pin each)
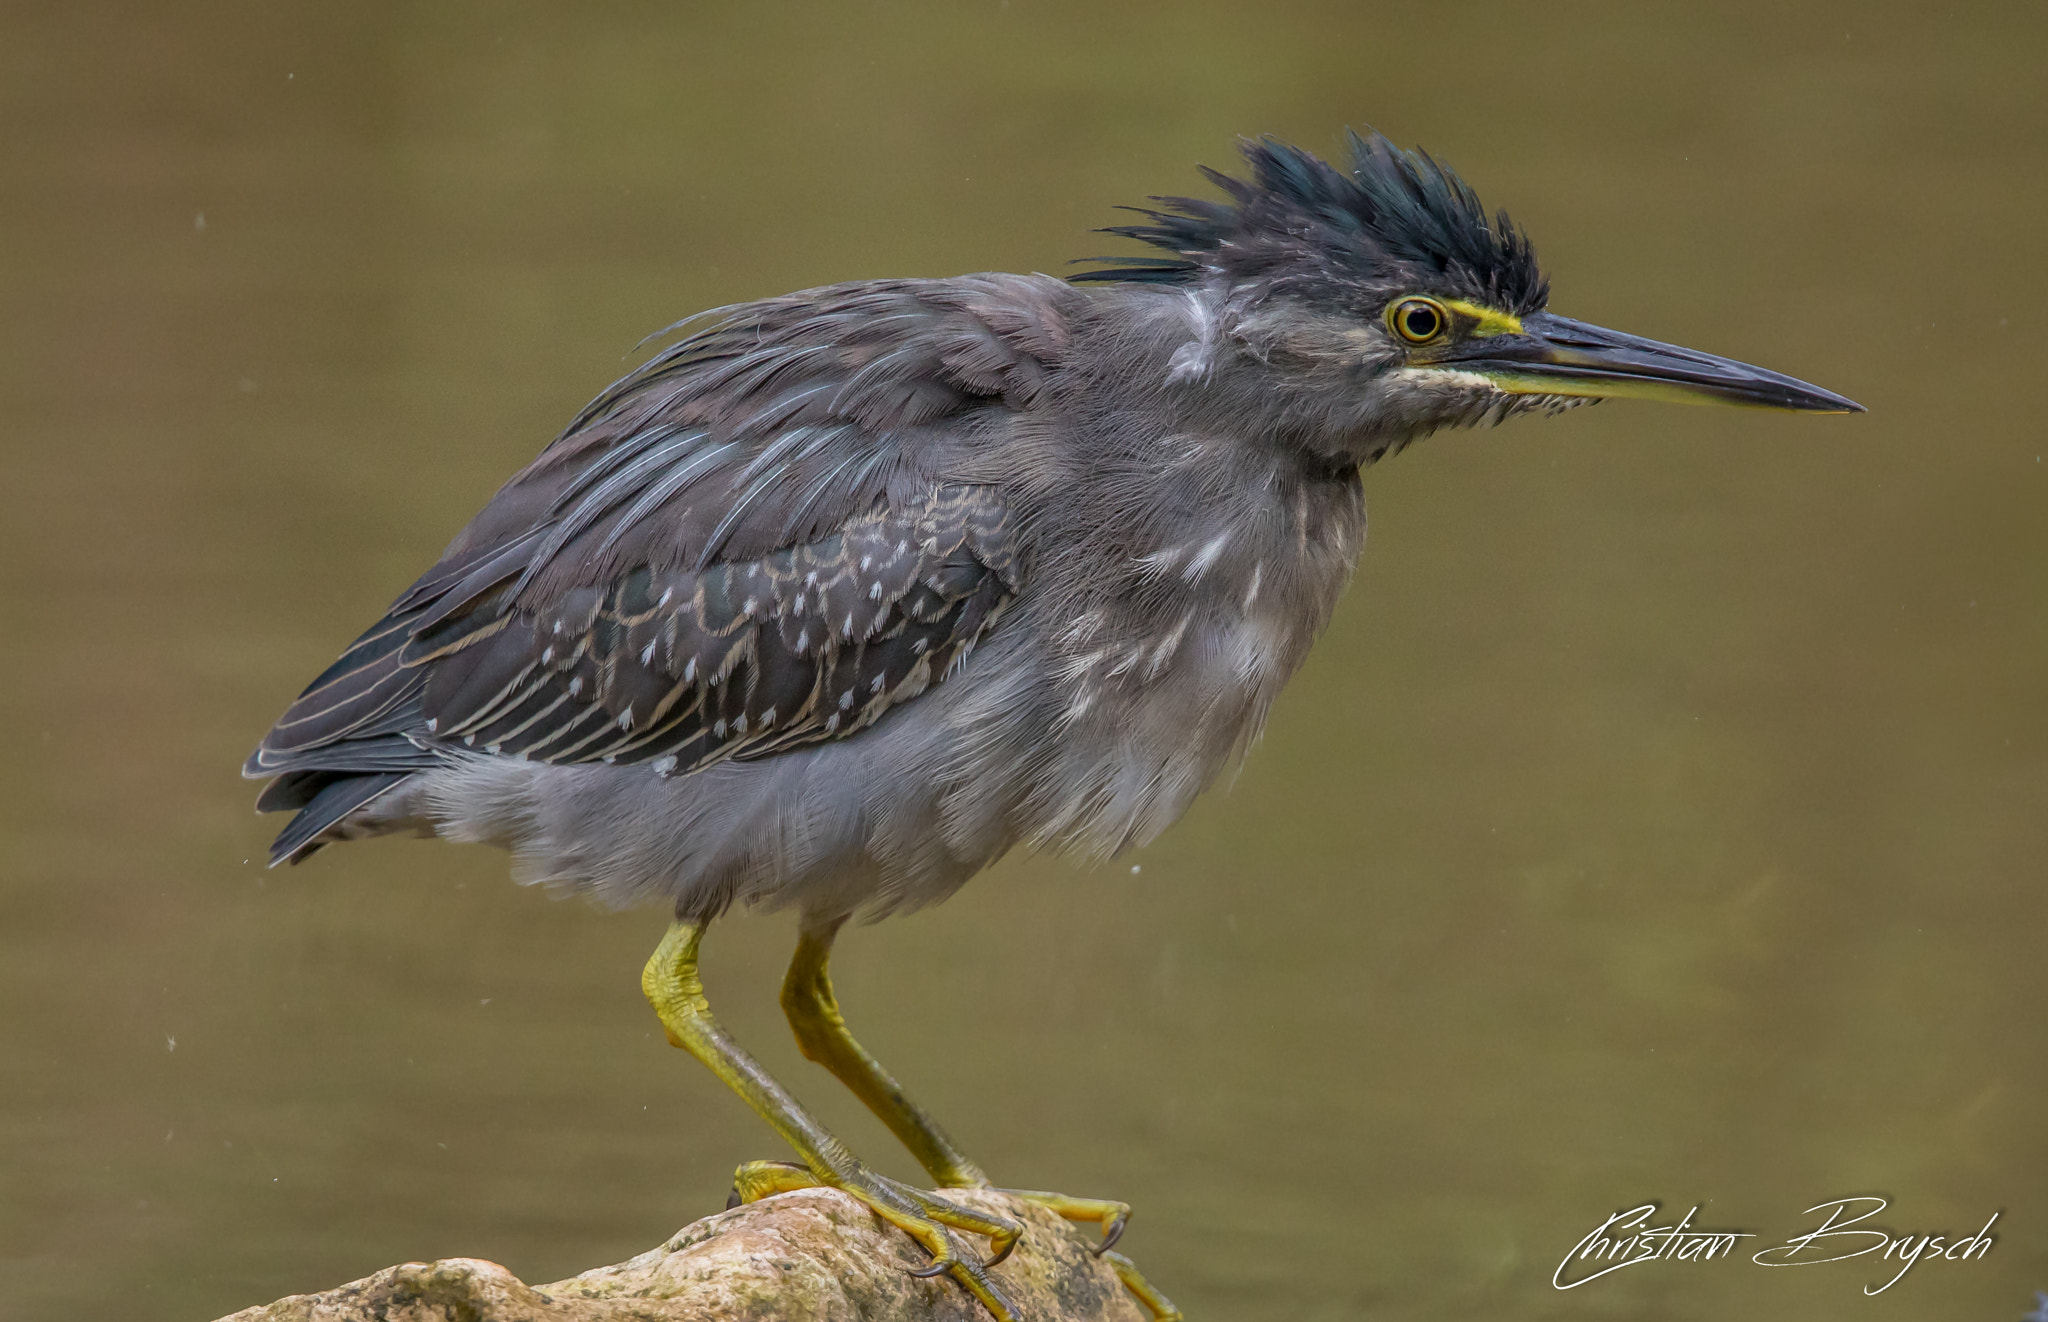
(1420, 321)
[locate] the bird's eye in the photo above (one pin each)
(1418, 320)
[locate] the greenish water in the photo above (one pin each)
(1662, 818)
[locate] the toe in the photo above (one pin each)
(1002, 1232)
(1111, 1215)
(758, 1179)
(1158, 1305)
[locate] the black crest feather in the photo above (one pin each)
(1394, 219)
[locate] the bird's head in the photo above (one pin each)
(1381, 302)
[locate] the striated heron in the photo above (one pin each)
(846, 593)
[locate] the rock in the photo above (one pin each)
(815, 1255)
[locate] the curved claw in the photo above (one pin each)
(1111, 1233)
(1003, 1248)
(939, 1267)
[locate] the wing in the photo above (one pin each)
(757, 541)
(684, 667)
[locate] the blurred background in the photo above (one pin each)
(1661, 819)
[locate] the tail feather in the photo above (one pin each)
(296, 785)
(325, 808)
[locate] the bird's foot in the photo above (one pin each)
(928, 1220)
(1112, 1216)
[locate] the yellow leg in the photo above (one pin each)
(677, 994)
(822, 1035)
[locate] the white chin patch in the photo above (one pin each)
(1472, 384)
(1444, 377)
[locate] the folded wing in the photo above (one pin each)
(752, 543)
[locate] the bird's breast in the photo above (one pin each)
(1167, 646)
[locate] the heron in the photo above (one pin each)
(845, 594)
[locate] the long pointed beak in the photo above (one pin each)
(1554, 355)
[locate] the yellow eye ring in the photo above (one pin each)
(1418, 320)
